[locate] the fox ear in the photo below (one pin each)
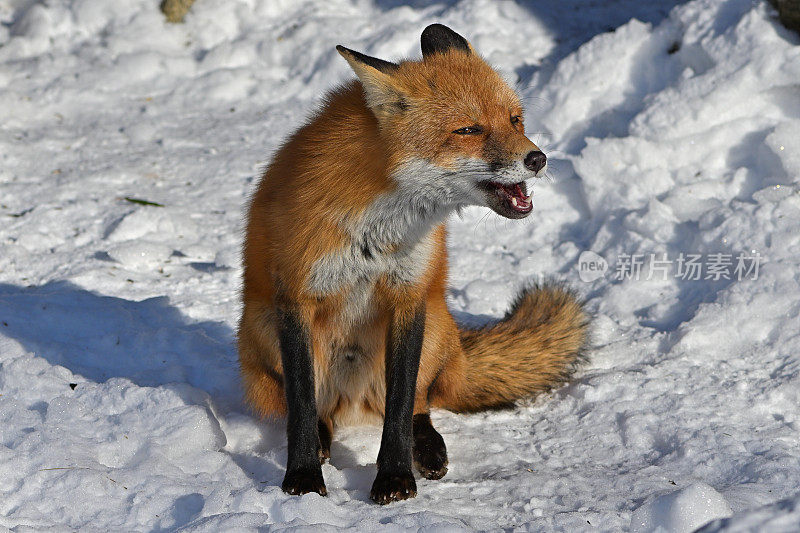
(438, 39)
(384, 97)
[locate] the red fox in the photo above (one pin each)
(345, 266)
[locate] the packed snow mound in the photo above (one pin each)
(680, 511)
(129, 146)
(779, 517)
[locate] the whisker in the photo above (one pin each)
(479, 222)
(561, 154)
(554, 163)
(540, 101)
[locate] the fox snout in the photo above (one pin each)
(535, 160)
(506, 191)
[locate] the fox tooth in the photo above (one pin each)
(514, 201)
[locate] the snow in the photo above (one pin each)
(683, 510)
(672, 128)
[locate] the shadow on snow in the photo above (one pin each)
(100, 337)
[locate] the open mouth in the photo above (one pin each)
(511, 201)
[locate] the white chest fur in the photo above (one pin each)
(393, 237)
(364, 262)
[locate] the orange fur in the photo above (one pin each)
(321, 183)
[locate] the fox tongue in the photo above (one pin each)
(516, 197)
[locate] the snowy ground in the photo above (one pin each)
(674, 133)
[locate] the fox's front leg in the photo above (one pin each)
(303, 470)
(395, 480)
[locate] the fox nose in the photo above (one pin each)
(535, 160)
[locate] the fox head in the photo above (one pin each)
(455, 127)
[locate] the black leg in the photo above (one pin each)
(395, 480)
(303, 471)
(430, 454)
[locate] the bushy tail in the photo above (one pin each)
(534, 348)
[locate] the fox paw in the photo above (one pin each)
(304, 481)
(430, 453)
(325, 439)
(324, 455)
(431, 463)
(389, 488)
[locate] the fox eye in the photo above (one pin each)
(469, 130)
(516, 119)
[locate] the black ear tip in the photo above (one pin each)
(437, 31)
(438, 38)
(435, 27)
(378, 64)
